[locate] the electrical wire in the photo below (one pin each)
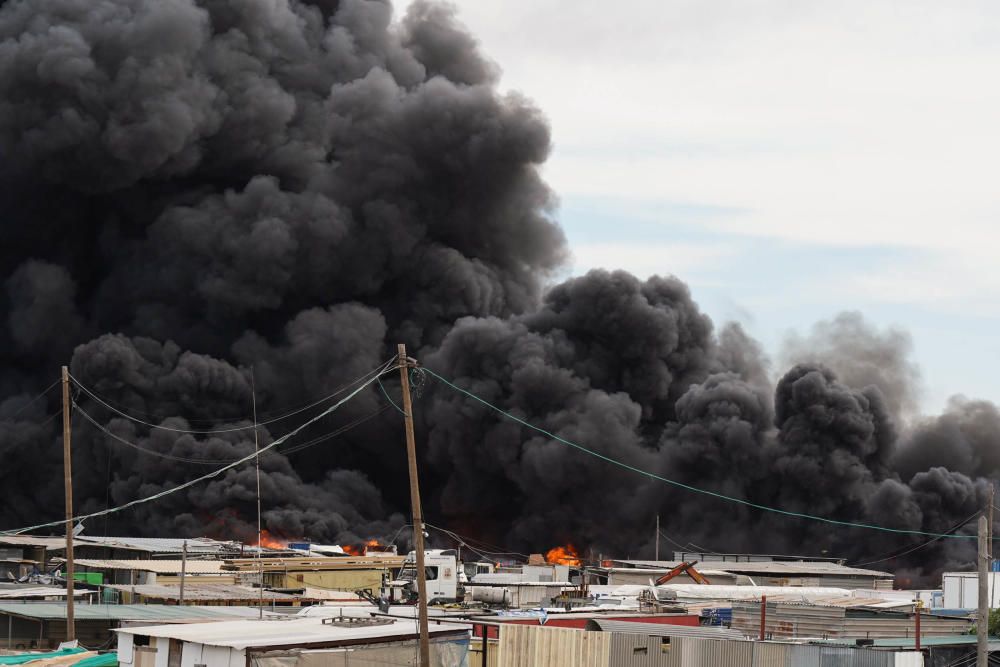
(688, 487)
(150, 452)
(45, 422)
(377, 372)
(32, 401)
(926, 543)
(214, 473)
(485, 547)
(676, 544)
(200, 461)
(465, 542)
(389, 398)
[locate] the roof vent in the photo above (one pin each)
(356, 621)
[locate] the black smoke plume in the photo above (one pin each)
(194, 189)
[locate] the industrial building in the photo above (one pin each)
(851, 618)
(43, 625)
(290, 642)
(646, 645)
(807, 573)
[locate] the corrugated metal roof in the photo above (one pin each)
(285, 631)
(661, 629)
(150, 565)
(910, 643)
(769, 567)
(201, 591)
(40, 592)
(161, 544)
(52, 543)
(124, 612)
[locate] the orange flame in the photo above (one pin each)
(563, 555)
(270, 541)
(359, 550)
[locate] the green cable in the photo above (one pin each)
(389, 398)
(688, 487)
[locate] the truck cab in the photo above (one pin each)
(441, 571)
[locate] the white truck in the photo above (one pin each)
(441, 570)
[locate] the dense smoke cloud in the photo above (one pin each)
(206, 201)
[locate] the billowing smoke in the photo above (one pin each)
(208, 202)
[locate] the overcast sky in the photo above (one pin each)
(787, 159)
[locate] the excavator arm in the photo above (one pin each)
(697, 576)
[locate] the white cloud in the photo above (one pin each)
(863, 122)
(848, 124)
(647, 259)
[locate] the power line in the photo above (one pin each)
(378, 371)
(688, 487)
(676, 544)
(199, 461)
(150, 452)
(32, 401)
(44, 422)
(214, 473)
(471, 543)
(926, 543)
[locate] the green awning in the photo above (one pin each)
(22, 658)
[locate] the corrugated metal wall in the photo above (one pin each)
(521, 646)
(837, 656)
(528, 645)
(476, 653)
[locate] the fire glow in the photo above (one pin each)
(359, 550)
(563, 555)
(270, 541)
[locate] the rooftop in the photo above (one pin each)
(158, 566)
(908, 642)
(289, 632)
(661, 629)
(201, 591)
(802, 568)
(33, 541)
(18, 591)
(198, 545)
(124, 612)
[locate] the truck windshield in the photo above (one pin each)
(409, 573)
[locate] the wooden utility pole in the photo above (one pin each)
(68, 482)
(184, 562)
(983, 617)
(260, 546)
(657, 542)
(989, 546)
(418, 520)
(763, 617)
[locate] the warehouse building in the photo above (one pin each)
(42, 625)
(290, 642)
